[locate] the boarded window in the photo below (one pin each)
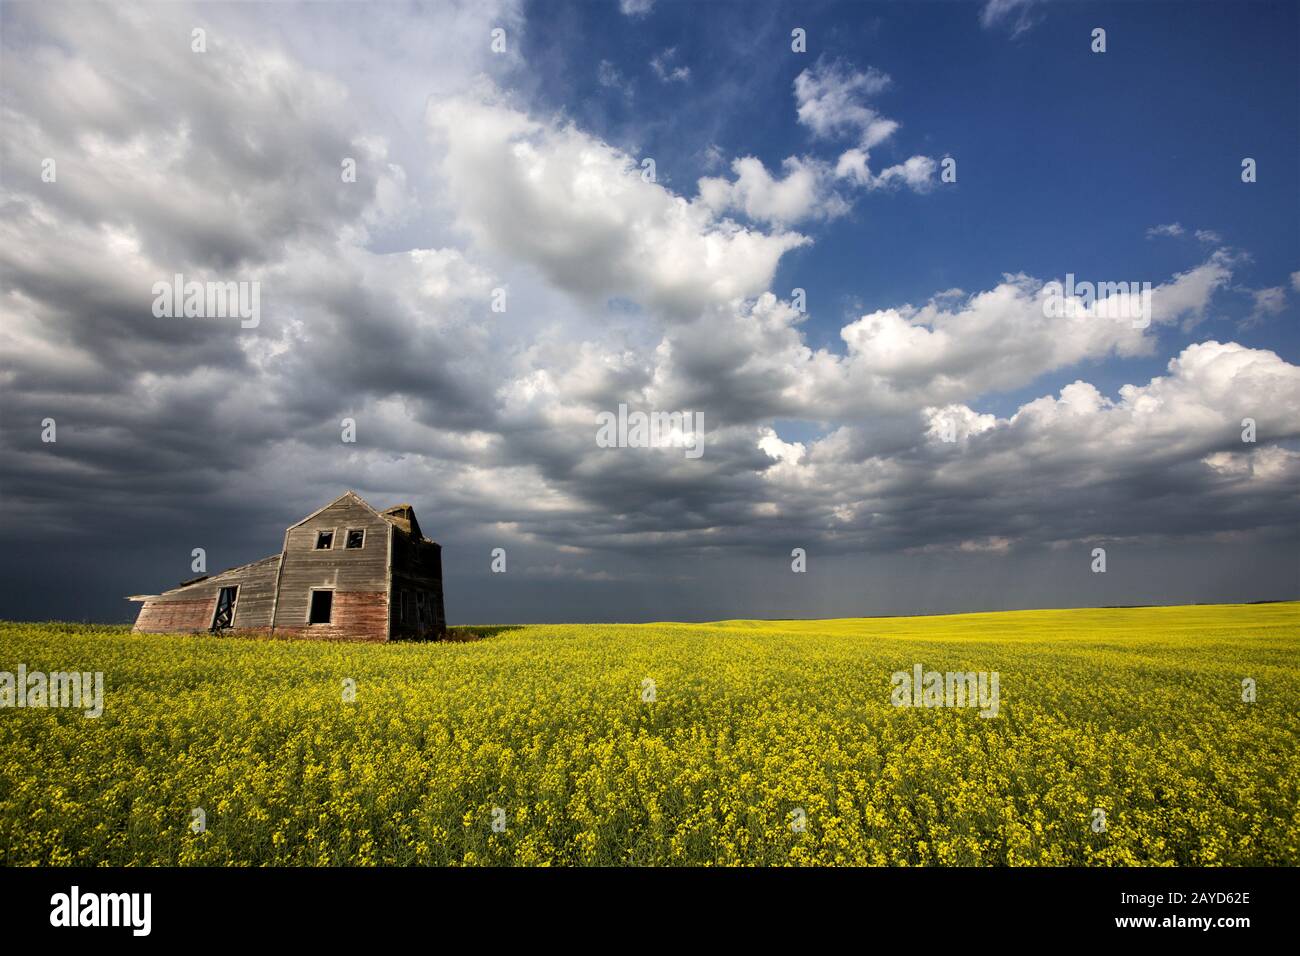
(324, 540)
(322, 605)
(356, 538)
(224, 616)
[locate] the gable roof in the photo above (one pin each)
(400, 516)
(347, 494)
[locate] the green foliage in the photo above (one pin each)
(1136, 712)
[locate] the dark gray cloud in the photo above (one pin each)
(377, 305)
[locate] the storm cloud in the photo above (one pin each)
(494, 279)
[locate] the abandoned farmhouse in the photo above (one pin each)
(346, 572)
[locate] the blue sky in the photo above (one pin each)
(1066, 157)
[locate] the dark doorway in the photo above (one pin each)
(322, 604)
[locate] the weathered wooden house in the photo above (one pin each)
(346, 572)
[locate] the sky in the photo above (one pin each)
(825, 233)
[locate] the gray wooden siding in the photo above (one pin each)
(417, 568)
(256, 595)
(362, 569)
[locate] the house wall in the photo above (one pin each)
(175, 617)
(417, 569)
(359, 578)
(356, 616)
(190, 608)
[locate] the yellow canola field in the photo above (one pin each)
(1121, 737)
